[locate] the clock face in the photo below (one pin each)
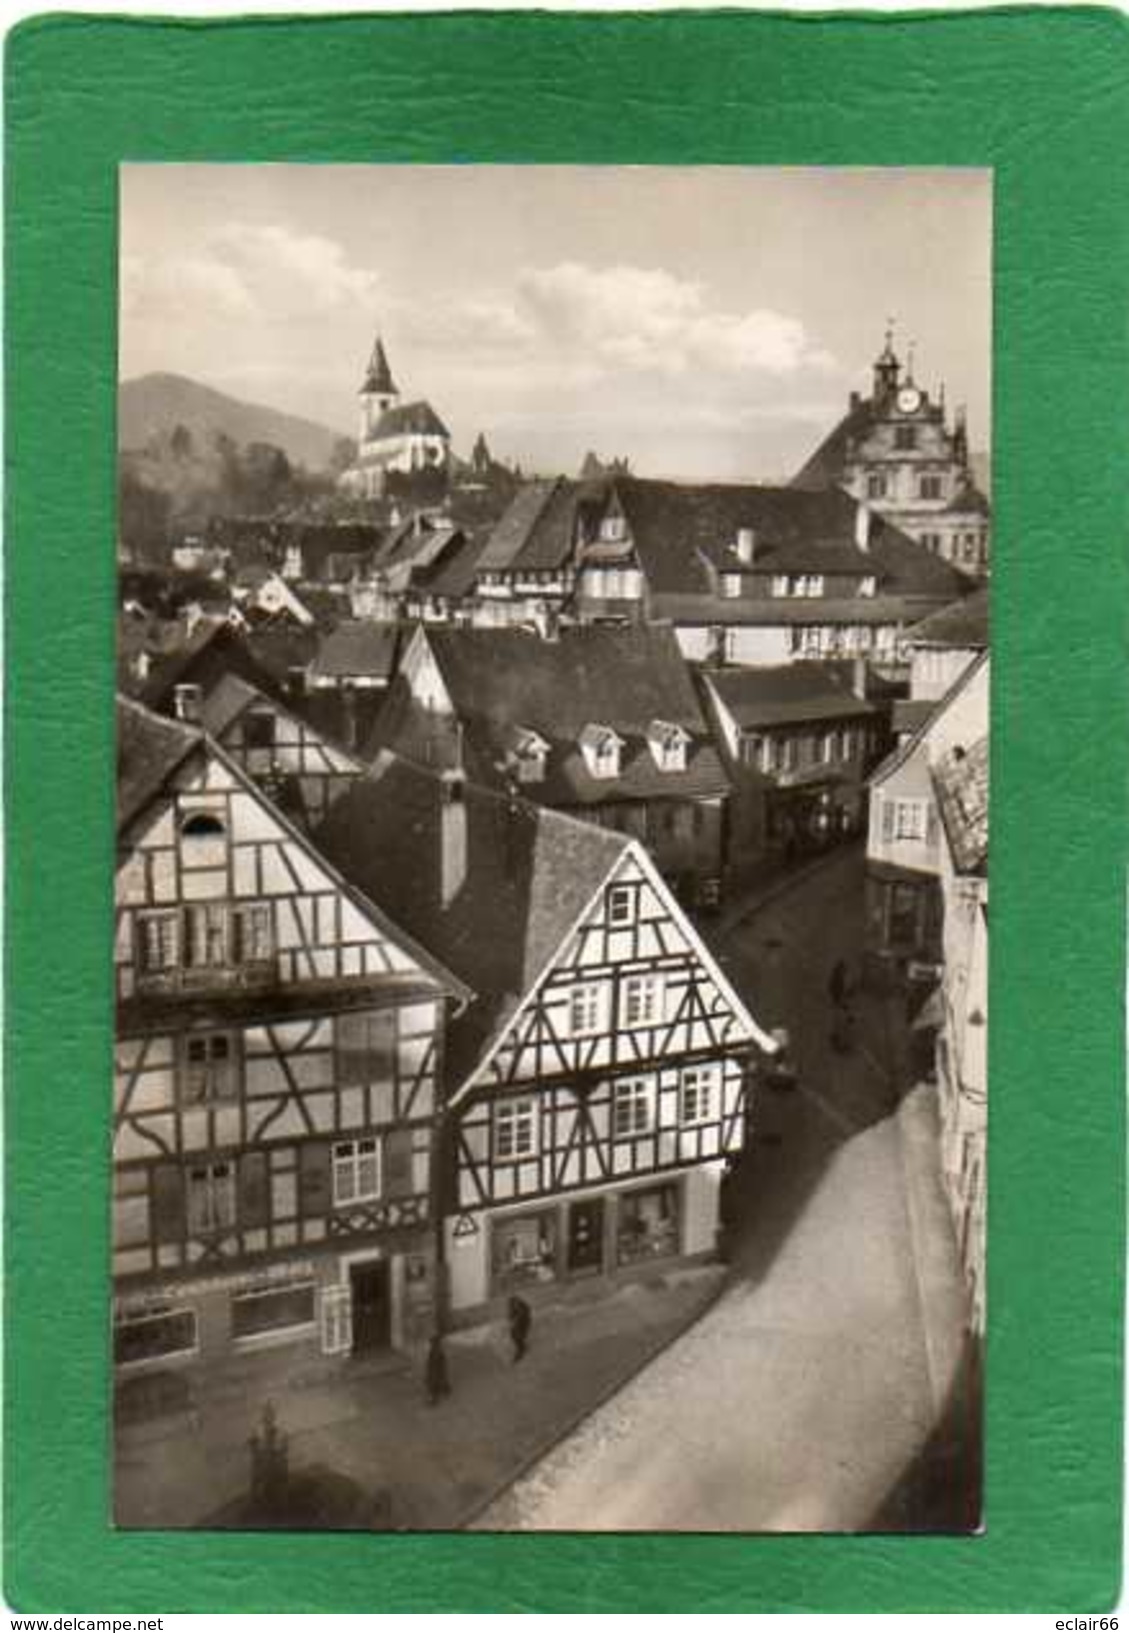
(909, 398)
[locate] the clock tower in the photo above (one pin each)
(897, 453)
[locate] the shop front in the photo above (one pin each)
(586, 1238)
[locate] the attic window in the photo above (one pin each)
(612, 529)
(529, 758)
(204, 838)
(258, 729)
(731, 584)
(868, 586)
(202, 825)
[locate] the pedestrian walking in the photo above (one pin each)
(837, 984)
(437, 1380)
(521, 1320)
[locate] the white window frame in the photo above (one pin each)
(347, 1157)
(730, 585)
(622, 900)
(587, 1008)
(911, 820)
(780, 585)
(511, 1120)
(637, 1094)
(699, 1088)
(868, 587)
(642, 985)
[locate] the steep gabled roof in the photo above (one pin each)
(378, 375)
(681, 530)
(963, 623)
(621, 678)
(529, 872)
(358, 647)
(825, 467)
(516, 525)
(409, 419)
(149, 749)
(213, 648)
(786, 694)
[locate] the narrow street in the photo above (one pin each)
(806, 1394)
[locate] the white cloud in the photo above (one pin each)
(286, 270)
(647, 319)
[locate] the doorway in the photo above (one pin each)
(370, 1287)
(586, 1237)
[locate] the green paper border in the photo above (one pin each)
(1041, 95)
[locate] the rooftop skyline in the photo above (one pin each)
(704, 322)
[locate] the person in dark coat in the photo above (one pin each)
(521, 1320)
(436, 1378)
(837, 985)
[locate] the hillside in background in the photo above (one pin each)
(151, 407)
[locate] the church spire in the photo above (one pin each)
(378, 376)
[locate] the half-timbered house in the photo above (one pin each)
(600, 1079)
(298, 767)
(278, 1050)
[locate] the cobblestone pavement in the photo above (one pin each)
(800, 1400)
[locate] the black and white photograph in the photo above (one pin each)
(551, 896)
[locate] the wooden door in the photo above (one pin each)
(372, 1305)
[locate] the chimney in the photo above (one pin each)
(746, 544)
(859, 677)
(862, 526)
(452, 835)
(187, 699)
(856, 399)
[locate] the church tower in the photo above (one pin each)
(886, 370)
(379, 392)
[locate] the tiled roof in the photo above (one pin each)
(909, 715)
(409, 419)
(764, 612)
(621, 678)
(962, 623)
(960, 780)
(358, 647)
(787, 693)
(515, 526)
(679, 527)
(149, 749)
(529, 872)
(321, 542)
(826, 466)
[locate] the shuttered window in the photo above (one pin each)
(366, 1046)
(314, 1187)
(397, 1159)
(254, 1190)
(168, 1203)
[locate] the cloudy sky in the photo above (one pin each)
(705, 322)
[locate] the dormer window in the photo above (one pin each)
(601, 748)
(668, 744)
(529, 757)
